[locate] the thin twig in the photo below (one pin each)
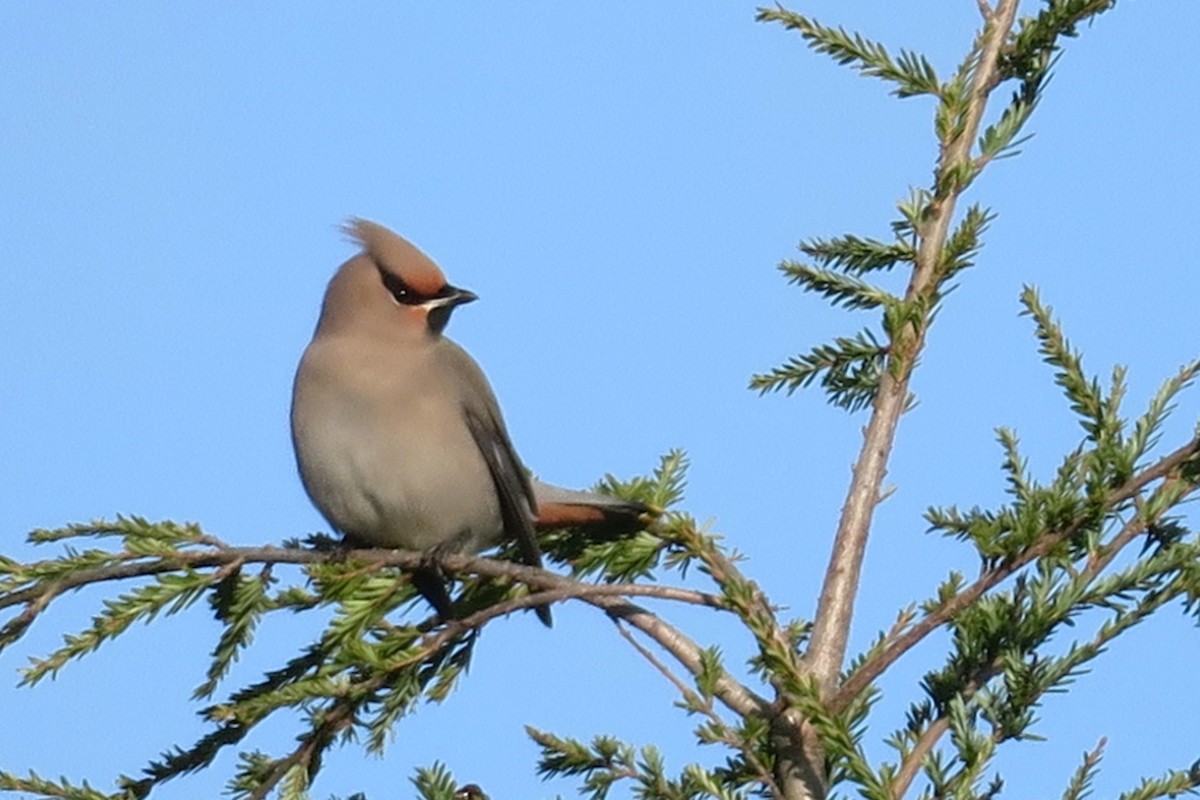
(339, 717)
(912, 764)
(579, 592)
(688, 692)
(871, 669)
(1132, 529)
(759, 618)
(704, 706)
(737, 697)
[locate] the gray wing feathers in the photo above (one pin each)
(481, 412)
(512, 486)
(513, 490)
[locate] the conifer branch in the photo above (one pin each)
(831, 627)
(372, 559)
(733, 694)
(1081, 782)
(911, 765)
(946, 610)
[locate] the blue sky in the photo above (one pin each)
(617, 183)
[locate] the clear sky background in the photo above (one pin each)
(617, 181)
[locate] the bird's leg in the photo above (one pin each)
(430, 578)
(324, 543)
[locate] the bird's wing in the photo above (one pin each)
(481, 412)
(517, 507)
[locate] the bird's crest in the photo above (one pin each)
(396, 254)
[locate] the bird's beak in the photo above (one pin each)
(459, 296)
(440, 306)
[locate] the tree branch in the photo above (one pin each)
(738, 698)
(704, 706)
(608, 597)
(870, 670)
(139, 565)
(912, 764)
(831, 628)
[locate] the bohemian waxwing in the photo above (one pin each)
(470, 792)
(398, 436)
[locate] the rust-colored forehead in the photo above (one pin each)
(397, 255)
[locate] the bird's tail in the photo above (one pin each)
(568, 508)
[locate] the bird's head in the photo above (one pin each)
(390, 283)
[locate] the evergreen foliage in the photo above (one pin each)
(1056, 561)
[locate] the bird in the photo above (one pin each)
(470, 791)
(398, 436)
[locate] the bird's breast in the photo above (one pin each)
(385, 454)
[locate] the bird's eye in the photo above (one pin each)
(398, 288)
